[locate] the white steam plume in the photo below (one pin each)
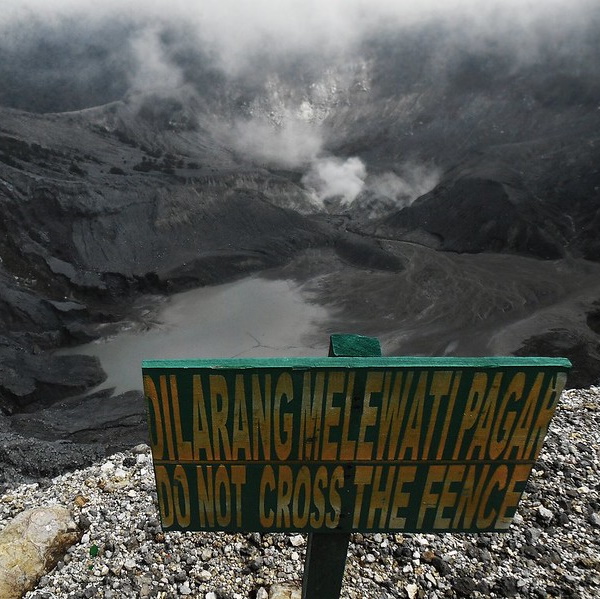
(335, 178)
(297, 144)
(413, 181)
(293, 143)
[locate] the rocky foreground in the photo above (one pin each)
(551, 550)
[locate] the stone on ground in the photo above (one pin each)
(284, 591)
(31, 545)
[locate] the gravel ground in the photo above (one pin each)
(551, 550)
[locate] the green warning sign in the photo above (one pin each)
(347, 444)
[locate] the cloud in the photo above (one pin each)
(169, 43)
(235, 31)
(244, 39)
(153, 71)
(238, 34)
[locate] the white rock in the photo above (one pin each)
(411, 590)
(129, 564)
(284, 591)
(545, 514)
(206, 554)
(31, 545)
(297, 540)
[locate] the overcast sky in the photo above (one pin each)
(234, 29)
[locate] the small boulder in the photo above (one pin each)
(284, 591)
(31, 545)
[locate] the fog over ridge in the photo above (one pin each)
(280, 66)
(232, 31)
(152, 42)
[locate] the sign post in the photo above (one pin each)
(326, 553)
(327, 446)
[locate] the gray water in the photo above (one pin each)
(253, 317)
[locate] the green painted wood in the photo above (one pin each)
(349, 346)
(324, 566)
(356, 362)
(326, 553)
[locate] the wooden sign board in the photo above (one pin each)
(347, 444)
